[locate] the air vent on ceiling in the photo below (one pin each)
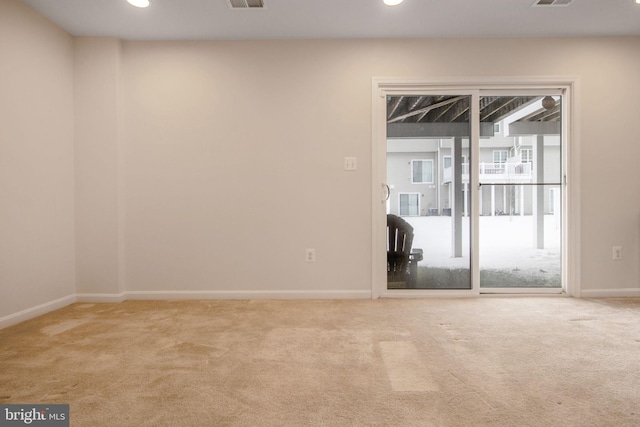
(541, 3)
(246, 4)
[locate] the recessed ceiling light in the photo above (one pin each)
(139, 3)
(392, 2)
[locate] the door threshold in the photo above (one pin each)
(522, 291)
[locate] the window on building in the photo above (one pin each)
(422, 171)
(446, 164)
(526, 155)
(500, 156)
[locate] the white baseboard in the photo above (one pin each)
(36, 311)
(41, 309)
(185, 295)
(610, 293)
(45, 308)
(102, 298)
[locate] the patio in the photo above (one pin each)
(508, 257)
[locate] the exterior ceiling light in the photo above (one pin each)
(548, 102)
(397, 2)
(139, 3)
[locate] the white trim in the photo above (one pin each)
(282, 294)
(539, 85)
(526, 295)
(522, 291)
(428, 293)
(36, 311)
(48, 307)
(378, 189)
(610, 293)
(571, 198)
(535, 85)
(102, 298)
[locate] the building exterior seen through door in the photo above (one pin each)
(516, 176)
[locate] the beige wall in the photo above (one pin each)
(213, 126)
(36, 161)
(234, 166)
(97, 137)
(211, 166)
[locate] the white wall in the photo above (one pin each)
(36, 162)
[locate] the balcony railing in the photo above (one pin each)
(503, 172)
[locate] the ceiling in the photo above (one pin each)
(442, 116)
(455, 109)
(322, 19)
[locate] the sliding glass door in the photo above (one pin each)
(428, 153)
(520, 171)
(474, 190)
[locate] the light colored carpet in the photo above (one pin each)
(423, 362)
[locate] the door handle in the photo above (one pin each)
(388, 191)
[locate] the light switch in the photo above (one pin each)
(350, 163)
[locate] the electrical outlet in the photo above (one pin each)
(616, 253)
(350, 164)
(310, 255)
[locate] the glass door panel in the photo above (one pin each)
(520, 206)
(428, 176)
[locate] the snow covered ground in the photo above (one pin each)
(507, 255)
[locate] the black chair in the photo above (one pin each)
(402, 260)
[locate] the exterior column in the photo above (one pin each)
(466, 199)
(504, 200)
(456, 197)
(493, 200)
(538, 192)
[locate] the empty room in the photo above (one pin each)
(340, 213)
